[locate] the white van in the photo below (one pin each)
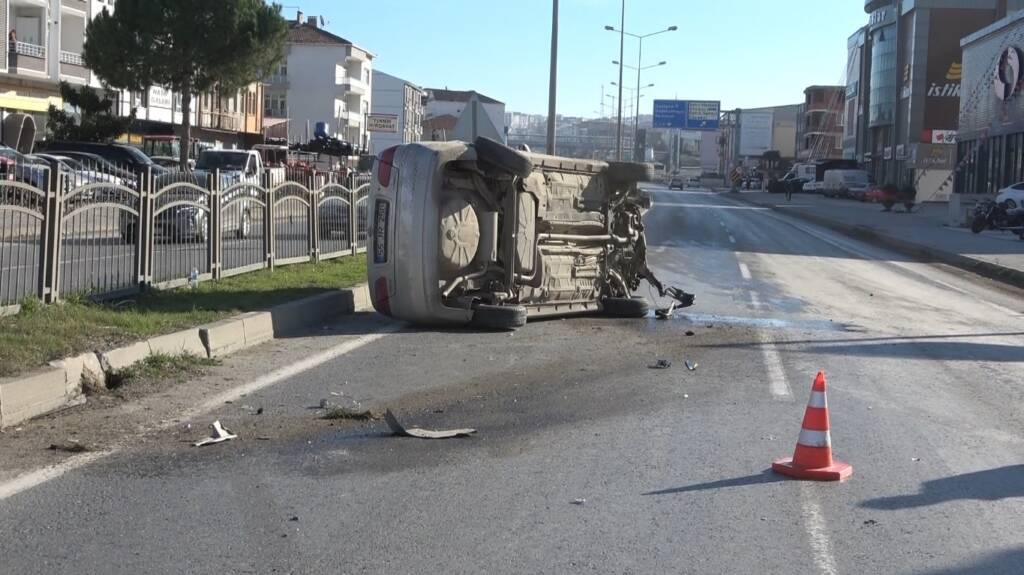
(846, 183)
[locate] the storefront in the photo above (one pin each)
(990, 151)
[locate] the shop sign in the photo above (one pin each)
(901, 152)
(939, 136)
(933, 156)
(887, 153)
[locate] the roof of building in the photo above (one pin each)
(305, 33)
(820, 87)
(442, 122)
(446, 95)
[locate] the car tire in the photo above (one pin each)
(635, 306)
(503, 157)
(630, 172)
(1010, 204)
(498, 317)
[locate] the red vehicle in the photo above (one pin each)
(889, 196)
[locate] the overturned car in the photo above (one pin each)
(486, 235)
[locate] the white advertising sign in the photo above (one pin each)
(382, 123)
(755, 133)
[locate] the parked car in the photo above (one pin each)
(1011, 196)
(483, 234)
(121, 155)
(846, 183)
(677, 182)
(812, 187)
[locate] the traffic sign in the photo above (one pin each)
(687, 114)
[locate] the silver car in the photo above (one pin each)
(486, 235)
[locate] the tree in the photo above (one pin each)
(188, 46)
(96, 121)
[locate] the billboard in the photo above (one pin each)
(944, 69)
(687, 114)
(755, 132)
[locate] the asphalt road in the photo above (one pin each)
(924, 369)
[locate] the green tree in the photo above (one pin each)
(94, 122)
(188, 46)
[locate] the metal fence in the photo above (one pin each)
(106, 231)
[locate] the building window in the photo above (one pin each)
(883, 76)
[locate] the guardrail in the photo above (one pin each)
(103, 235)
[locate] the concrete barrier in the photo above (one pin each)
(60, 385)
(36, 393)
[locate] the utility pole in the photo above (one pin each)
(636, 116)
(552, 82)
(622, 46)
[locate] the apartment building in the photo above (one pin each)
(324, 81)
(822, 118)
(393, 96)
(44, 45)
(444, 108)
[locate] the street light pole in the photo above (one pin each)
(552, 81)
(622, 46)
(636, 117)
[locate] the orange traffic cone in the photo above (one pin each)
(813, 456)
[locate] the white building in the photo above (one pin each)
(445, 107)
(393, 96)
(324, 79)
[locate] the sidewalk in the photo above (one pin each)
(923, 233)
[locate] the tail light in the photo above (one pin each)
(384, 163)
(380, 296)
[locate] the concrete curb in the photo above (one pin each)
(1003, 274)
(60, 385)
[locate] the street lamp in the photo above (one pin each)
(640, 51)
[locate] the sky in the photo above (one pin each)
(745, 53)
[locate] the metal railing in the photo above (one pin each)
(71, 58)
(26, 49)
(107, 232)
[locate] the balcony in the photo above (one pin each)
(73, 65)
(353, 86)
(277, 80)
(229, 122)
(27, 57)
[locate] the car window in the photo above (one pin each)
(1019, 186)
(222, 160)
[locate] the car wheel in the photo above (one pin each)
(888, 204)
(635, 306)
(630, 172)
(1010, 204)
(503, 157)
(244, 226)
(498, 317)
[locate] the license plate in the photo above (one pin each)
(380, 231)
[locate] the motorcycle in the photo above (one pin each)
(989, 215)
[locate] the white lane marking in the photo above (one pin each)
(777, 382)
(744, 271)
(39, 476)
(814, 523)
(844, 245)
(732, 239)
(778, 385)
(755, 299)
(710, 206)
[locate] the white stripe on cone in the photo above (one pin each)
(817, 400)
(812, 438)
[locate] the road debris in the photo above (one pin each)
(399, 429)
(324, 403)
(691, 365)
(259, 411)
(71, 446)
(293, 518)
(689, 332)
(665, 313)
(219, 434)
(661, 364)
(870, 522)
(578, 501)
(358, 413)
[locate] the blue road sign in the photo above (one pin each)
(687, 114)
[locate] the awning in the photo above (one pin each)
(13, 101)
